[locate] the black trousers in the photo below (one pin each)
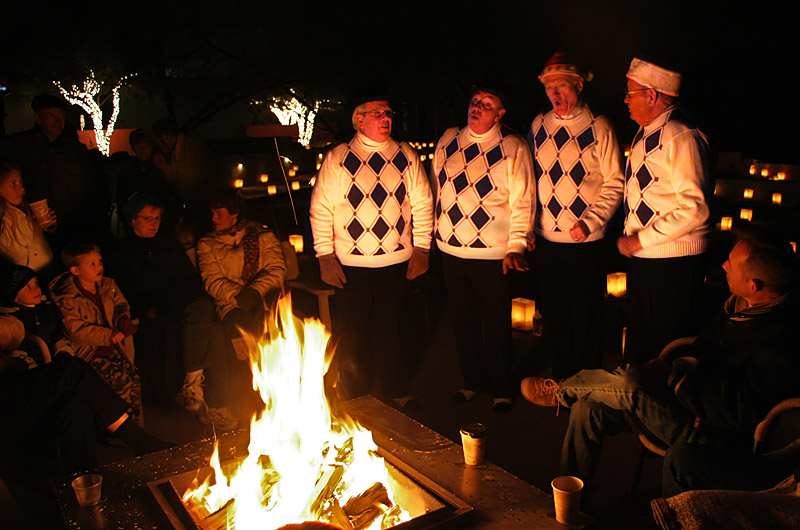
(664, 298)
(480, 305)
(571, 289)
(205, 347)
(367, 331)
(65, 400)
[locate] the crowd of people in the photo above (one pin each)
(375, 212)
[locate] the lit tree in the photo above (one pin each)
(88, 98)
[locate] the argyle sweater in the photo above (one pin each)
(578, 174)
(364, 200)
(667, 177)
(483, 200)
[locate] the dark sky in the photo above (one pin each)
(737, 63)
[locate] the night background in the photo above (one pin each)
(203, 62)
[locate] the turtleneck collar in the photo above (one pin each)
(485, 136)
(369, 143)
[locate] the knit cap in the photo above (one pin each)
(562, 64)
(653, 76)
(14, 278)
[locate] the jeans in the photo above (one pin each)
(626, 400)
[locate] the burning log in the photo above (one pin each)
(368, 506)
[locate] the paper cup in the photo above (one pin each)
(567, 498)
(473, 441)
(87, 489)
(40, 211)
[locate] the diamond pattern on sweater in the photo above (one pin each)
(644, 177)
(379, 194)
(554, 207)
(478, 243)
(355, 196)
(644, 213)
(351, 163)
(537, 169)
(495, 155)
(577, 173)
(577, 207)
(380, 228)
(479, 218)
(636, 138)
(380, 252)
(453, 241)
(471, 152)
(376, 162)
(438, 208)
(401, 225)
(540, 136)
(484, 186)
(561, 137)
(652, 141)
(451, 148)
(461, 182)
(400, 161)
(627, 171)
(586, 138)
(556, 172)
(442, 178)
(355, 229)
(400, 193)
(455, 214)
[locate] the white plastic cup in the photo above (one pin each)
(567, 498)
(87, 489)
(41, 211)
(473, 441)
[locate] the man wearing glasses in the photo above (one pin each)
(666, 213)
(372, 217)
(482, 173)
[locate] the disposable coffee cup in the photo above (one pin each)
(87, 489)
(567, 498)
(41, 211)
(473, 441)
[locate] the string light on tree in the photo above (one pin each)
(293, 112)
(87, 97)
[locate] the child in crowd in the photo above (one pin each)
(96, 319)
(22, 238)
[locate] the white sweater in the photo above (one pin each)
(364, 201)
(667, 177)
(578, 174)
(22, 240)
(483, 207)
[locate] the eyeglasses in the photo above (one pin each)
(488, 106)
(378, 114)
(630, 92)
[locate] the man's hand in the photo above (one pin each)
(117, 337)
(579, 232)
(330, 271)
(531, 243)
(419, 263)
(629, 245)
(514, 260)
(248, 298)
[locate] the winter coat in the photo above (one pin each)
(221, 259)
(22, 240)
(83, 323)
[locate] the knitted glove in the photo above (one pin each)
(248, 298)
(331, 272)
(419, 263)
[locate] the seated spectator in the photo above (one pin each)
(736, 371)
(21, 299)
(22, 239)
(96, 320)
(178, 327)
(241, 263)
(63, 400)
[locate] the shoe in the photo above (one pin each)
(407, 402)
(502, 404)
(462, 395)
(221, 418)
(540, 390)
(191, 395)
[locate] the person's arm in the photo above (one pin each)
(602, 209)
(520, 181)
(273, 268)
(78, 324)
(323, 204)
(217, 285)
(687, 156)
(421, 199)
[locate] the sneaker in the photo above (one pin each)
(540, 391)
(221, 418)
(462, 395)
(191, 395)
(500, 404)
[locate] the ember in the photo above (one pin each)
(305, 463)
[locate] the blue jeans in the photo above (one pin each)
(626, 400)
